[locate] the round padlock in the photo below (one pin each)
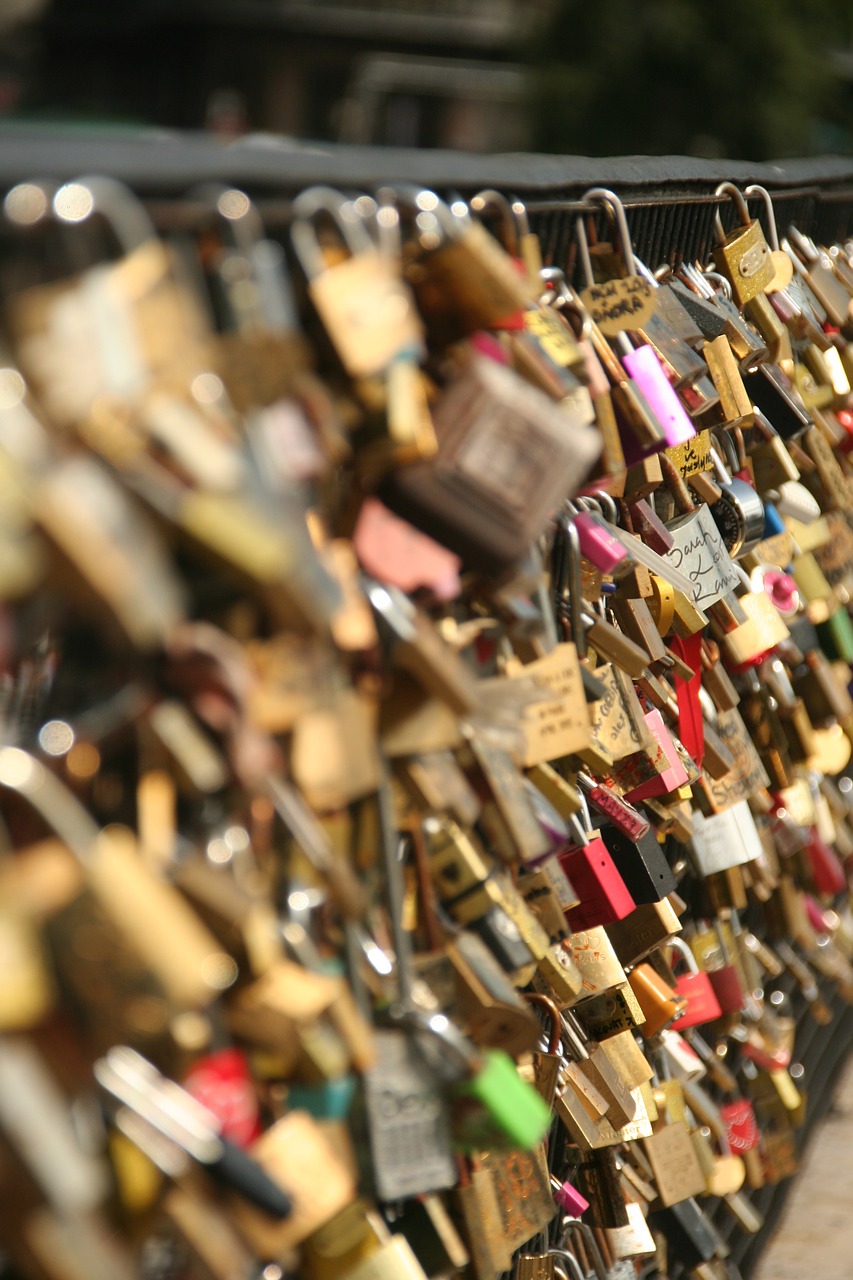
(739, 512)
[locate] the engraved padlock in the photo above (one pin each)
(743, 255)
(507, 456)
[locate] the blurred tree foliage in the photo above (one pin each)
(755, 79)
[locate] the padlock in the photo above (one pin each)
(670, 1150)
(462, 279)
(598, 544)
(476, 1201)
(507, 455)
(816, 266)
(699, 550)
(547, 1063)
(604, 896)
(735, 404)
(643, 365)
(764, 629)
(465, 882)
(597, 1076)
(641, 864)
(627, 303)
(262, 354)
(714, 958)
(490, 1008)
(136, 327)
(695, 986)
(362, 301)
(739, 511)
(688, 1231)
(702, 305)
(660, 1003)
(676, 339)
(402, 1106)
(643, 931)
(744, 255)
(630, 406)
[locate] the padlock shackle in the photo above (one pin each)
(755, 189)
(735, 193)
(519, 213)
(555, 1042)
(572, 1260)
(233, 208)
(56, 804)
(571, 586)
(677, 486)
(307, 206)
(679, 945)
(724, 286)
(488, 201)
(616, 209)
(74, 202)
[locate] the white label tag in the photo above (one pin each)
(726, 839)
(700, 553)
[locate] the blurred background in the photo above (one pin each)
(719, 78)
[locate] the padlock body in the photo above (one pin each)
(604, 896)
(702, 1003)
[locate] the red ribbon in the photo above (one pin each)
(691, 729)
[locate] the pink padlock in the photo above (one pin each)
(569, 1198)
(598, 544)
(673, 776)
(643, 365)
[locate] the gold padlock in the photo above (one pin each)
(744, 255)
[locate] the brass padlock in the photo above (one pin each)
(744, 255)
(362, 300)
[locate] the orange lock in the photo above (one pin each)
(660, 1002)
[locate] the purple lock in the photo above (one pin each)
(643, 365)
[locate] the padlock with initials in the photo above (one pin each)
(699, 550)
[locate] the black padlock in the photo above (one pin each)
(641, 864)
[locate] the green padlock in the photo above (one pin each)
(492, 1108)
(497, 1109)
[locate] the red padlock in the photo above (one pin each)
(696, 988)
(604, 896)
(741, 1125)
(725, 979)
(223, 1083)
(827, 871)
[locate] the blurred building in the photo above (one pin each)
(404, 72)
